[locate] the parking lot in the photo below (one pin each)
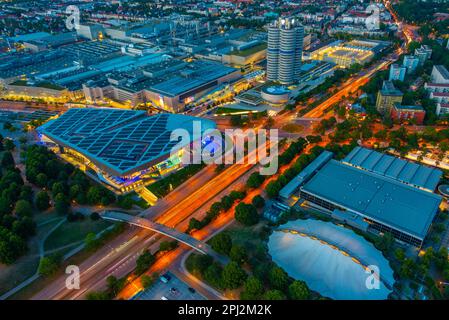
(175, 289)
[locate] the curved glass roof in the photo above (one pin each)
(122, 140)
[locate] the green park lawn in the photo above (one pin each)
(73, 232)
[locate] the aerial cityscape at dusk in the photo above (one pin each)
(226, 150)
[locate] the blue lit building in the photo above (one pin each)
(122, 148)
(397, 72)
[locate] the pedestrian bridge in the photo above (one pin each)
(188, 240)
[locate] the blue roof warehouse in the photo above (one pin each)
(390, 194)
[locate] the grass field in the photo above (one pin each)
(26, 266)
(70, 232)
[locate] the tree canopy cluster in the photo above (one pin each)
(16, 208)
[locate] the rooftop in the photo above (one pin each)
(388, 88)
(393, 167)
(402, 107)
(376, 197)
(121, 140)
(443, 71)
(194, 75)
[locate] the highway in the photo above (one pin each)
(118, 257)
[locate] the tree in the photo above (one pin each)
(58, 187)
(221, 243)
(144, 261)
(42, 201)
(26, 193)
(49, 265)
(7, 160)
(114, 285)
(252, 290)
(5, 206)
(399, 254)
(198, 263)
(125, 202)
(41, 180)
(147, 281)
(11, 246)
(61, 204)
(238, 254)
(94, 195)
(255, 180)
(9, 144)
(246, 214)
(233, 275)
(167, 245)
(24, 228)
(213, 275)
(23, 208)
(385, 242)
(227, 202)
(298, 290)
(274, 295)
(273, 188)
(195, 224)
(98, 295)
(277, 278)
(258, 201)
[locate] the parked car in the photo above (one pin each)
(165, 278)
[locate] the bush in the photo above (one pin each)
(49, 265)
(144, 261)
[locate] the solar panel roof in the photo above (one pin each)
(121, 140)
(382, 199)
(395, 168)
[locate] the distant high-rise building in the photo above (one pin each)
(284, 53)
(387, 97)
(397, 72)
(411, 63)
(423, 53)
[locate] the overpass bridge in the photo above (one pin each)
(188, 240)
